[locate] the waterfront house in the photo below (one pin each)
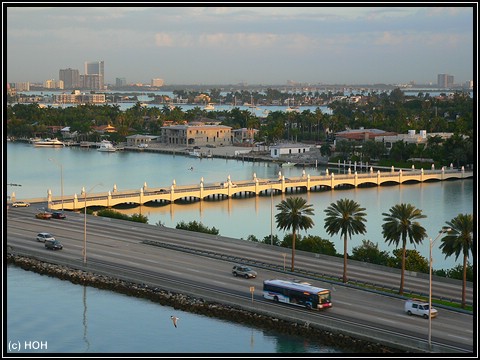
(288, 149)
(197, 133)
(139, 140)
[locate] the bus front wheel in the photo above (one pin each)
(275, 298)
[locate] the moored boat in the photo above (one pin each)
(195, 153)
(48, 142)
(106, 146)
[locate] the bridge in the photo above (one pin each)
(246, 188)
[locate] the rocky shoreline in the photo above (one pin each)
(199, 306)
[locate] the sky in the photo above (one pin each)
(256, 45)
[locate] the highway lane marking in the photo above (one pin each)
(460, 337)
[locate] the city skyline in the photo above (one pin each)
(252, 45)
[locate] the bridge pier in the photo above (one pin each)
(248, 188)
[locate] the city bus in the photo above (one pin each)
(297, 293)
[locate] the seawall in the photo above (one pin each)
(184, 302)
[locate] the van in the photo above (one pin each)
(419, 307)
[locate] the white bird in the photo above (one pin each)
(174, 319)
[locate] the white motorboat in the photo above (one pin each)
(195, 153)
(106, 146)
(288, 164)
(209, 107)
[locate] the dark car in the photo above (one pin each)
(53, 245)
(58, 215)
(245, 271)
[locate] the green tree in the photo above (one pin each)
(457, 272)
(459, 240)
(370, 253)
(252, 237)
(399, 224)
(271, 240)
(316, 244)
(196, 226)
(295, 215)
(347, 217)
(413, 261)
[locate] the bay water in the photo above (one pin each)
(39, 170)
(77, 319)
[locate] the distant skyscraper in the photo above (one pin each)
(444, 81)
(120, 82)
(70, 78)
(94, 75)
(91, 82)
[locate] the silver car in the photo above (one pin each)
(245, 271)
(45, 236)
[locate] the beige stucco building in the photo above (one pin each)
(197, 133)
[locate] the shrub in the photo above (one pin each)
(196, 226)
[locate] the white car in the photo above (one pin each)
(419, 307)
(21, 204)
(45, 236)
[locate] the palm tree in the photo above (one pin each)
(294, 214)
(401, 223)
(347, 217)
(459, 240)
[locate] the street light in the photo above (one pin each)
(441, 232)
(85, 223)
(61, 177)
(271, 215)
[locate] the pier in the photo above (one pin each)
(243, 188)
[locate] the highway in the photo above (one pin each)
(200, 265)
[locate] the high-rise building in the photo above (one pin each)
(157, 83)
(70, 78)
(52, 84)
(91, 82)
(444, 81)
(22, 86)
(94, 75)
(119, 82)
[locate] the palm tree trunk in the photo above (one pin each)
(345, 258)
(293, 250)
(402, 277)
(464, 282)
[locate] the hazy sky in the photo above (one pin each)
(234, 44)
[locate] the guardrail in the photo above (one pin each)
(333, 279)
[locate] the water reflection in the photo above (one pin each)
(84, 322)
(234, 217)
(241, 217)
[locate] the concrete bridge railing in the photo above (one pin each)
(253, 187)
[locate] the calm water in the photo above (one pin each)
(239, 218)
(80, 319)
(68, 318)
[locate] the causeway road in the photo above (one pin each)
(200, 265)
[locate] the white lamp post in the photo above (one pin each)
(441, 232)
(271, 215)
(85, 223)
(61, 177)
